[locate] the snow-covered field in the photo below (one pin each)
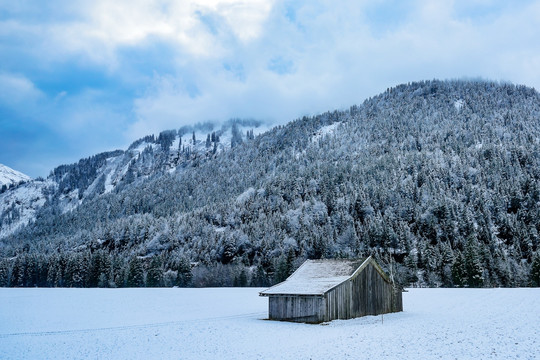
(227, 323)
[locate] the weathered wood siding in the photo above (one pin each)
(373, 295)
(339, 302)
(299, 308)
(366, 294)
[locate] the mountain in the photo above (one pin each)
(69, 186)
(9, 177)
(439, 180)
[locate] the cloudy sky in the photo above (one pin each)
(78, 77)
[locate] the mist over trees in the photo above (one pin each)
(439, 180)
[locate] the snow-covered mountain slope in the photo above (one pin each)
(442, 194)
(9, 177)
(20, 204)
(68, 186)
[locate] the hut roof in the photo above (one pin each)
(315, 277)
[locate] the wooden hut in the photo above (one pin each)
(324, 290)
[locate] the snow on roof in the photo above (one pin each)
(315, 277)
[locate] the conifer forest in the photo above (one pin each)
(438, 180)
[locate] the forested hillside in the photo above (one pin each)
(69, 186)
(439, 180)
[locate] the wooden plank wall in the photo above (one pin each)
(300, 308)
(373, 295)
(338, 302)
(366, 294)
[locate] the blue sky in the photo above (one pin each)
(79, 77)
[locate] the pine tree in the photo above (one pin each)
(4, 273)
(70, 272)
(105, 270)
(535, 270)
(94, 269)
(412, 269)
(76, 271)
(241, 279)
(260, 278)
(54, 272)
(103, 281)
(447, 258)
(473, 265)
(459, 274)
(184, 273)
(154, 277)
(284, 267)
(17, 272)
(135, 275)
(229, 251)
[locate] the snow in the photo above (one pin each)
(227, 323)
(115, 168)
(315, 277)
(176, 143)
(245, 196)
(27, 199)
(139, 149)
(324, 131)
(458, 104)
(8, 176)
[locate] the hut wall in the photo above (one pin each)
(299, 308)
(338, 302)
(372, 295)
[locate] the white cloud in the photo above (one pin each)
(245, 18)
(337, 61)
(94, 31)
(104, 27)
(16, 89)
